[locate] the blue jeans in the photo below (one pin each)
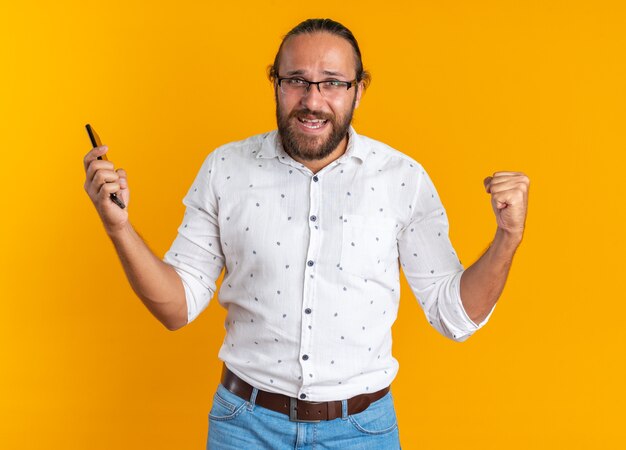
(238, 424)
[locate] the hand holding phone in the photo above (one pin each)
(95, 142)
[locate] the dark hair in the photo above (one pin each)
(311, 26)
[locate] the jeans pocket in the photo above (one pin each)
(378, 418)
(226, 405)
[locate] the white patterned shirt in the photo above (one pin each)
(312, 280)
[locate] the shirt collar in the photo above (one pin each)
(273, 148)
(357, 147)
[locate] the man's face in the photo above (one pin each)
(315, 57)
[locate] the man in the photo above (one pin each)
(310, 222)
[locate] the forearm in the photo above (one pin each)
(155, 282)
(483, 282)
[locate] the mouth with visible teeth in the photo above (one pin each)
(312, 124)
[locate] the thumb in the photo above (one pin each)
(487, 183)
(124, 190)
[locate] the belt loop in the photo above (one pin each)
(344, 409)
(252, 402)
(255, 391)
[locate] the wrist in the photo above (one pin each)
(119, 231)
(508, 238)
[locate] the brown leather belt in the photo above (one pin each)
(298, 410)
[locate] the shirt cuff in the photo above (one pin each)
(454, 315)
(196, 296)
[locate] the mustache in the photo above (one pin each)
(307, 113)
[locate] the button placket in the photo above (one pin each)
(308, 306)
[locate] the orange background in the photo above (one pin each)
(466, 88)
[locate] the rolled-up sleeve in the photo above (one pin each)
(196, 252)
(431, 265)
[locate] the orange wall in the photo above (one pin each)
(465, 87)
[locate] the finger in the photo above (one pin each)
(123, 178)
(105, 196)
(96, 165)
(504, 173)
(509, 185)
(520, 181)
(109, 188)
(101, 177)
(105, 176)
(518, 176)
(93, 154)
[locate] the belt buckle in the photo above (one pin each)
(293, 412)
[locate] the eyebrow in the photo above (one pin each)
(325, 72)
(332, 73)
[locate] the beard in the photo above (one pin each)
(311, 148)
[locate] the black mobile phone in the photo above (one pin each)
(95, 142)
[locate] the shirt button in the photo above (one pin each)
(315, 178)
(305, 357)
(302, 396)
(310, 263)
(313, 218)
(308, 310)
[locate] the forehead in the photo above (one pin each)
(317, 54)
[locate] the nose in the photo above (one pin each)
(312, 98)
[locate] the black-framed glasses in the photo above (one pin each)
(328, 88)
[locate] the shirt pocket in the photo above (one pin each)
(368, 245)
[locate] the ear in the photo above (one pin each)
(275, 86)
(359, 91)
